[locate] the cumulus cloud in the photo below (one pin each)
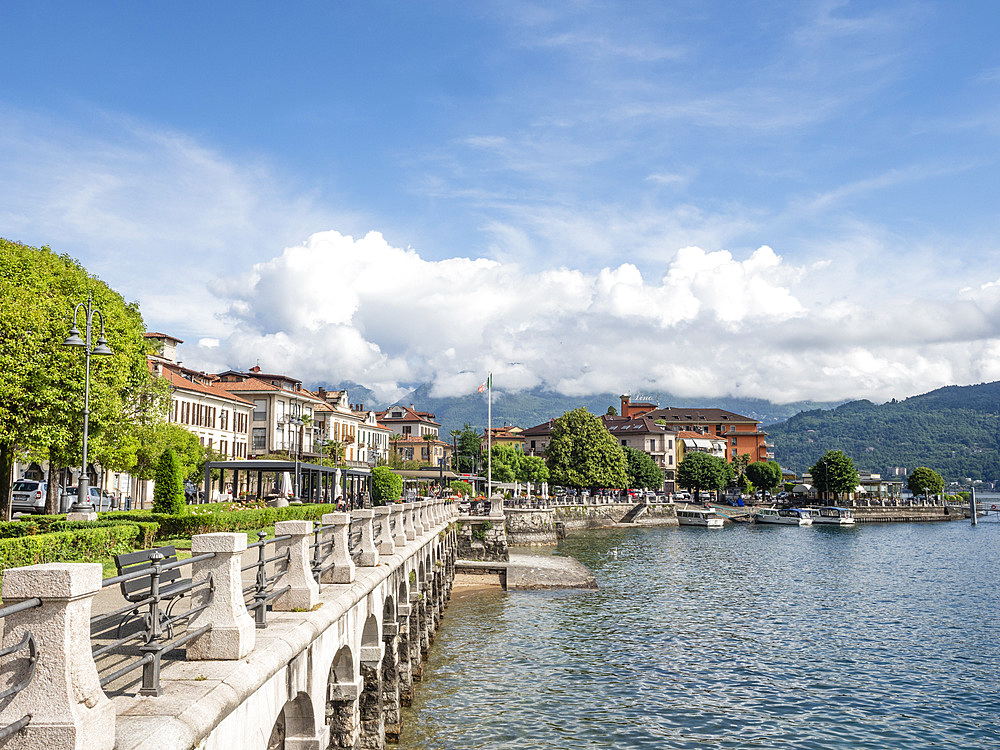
(338, 308)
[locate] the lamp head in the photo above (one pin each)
(74, 338)
(102, 347)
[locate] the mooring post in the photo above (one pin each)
(972, 505)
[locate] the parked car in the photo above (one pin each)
(93, 492)
(28, 496)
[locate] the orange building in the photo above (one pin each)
(742, 434)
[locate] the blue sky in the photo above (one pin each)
(785, 200)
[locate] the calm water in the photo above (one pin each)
(880, 636)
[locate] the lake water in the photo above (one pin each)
(878, 636)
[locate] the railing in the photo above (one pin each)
(27, 641)
(319, 563)
(155, 622)
(263, 589)
(354, 538)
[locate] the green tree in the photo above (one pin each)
(835, 473)
(765, 475)
(701, 471)
(533, 469)
(643, 473)
(468, 449)
(41, 390)
(155, 439)
(582, 453)
(168, 492)
(506, 462)
(924, 481)
(387, 486)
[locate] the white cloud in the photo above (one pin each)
(337, 308)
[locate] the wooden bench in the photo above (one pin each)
(138, 589)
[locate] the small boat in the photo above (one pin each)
(784, 516)
(699, 517)
(832, 514)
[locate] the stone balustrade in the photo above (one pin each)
(364, 637)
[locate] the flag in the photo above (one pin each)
(487, 384)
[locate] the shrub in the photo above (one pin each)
(203, 520)
(387, 486)
(77, 545)
(51, 524)
(460, 487)
(168, 492)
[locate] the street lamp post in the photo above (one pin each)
(101, 349)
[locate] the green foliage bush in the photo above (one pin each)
(51, 524)
(459, 487)
(387, 486)
(168, 492)
(77, 545)
(205, 520)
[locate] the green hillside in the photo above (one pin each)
(954, 430)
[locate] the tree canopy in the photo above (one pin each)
(42, 388)
(387, 486)
(835, 473)
(468, 448)
(582, 453)
(701, 471)
(765, 475)
(925, 481)
(643, 472)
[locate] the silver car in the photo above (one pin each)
(28, 496)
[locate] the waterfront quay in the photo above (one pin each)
(344, 614)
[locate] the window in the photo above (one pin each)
(670, 459)
(259, 439)
(406, 430)
(280, 405)
(652, 445)
(224, 419)
(623, 442)
(259, 410)
(532, 445)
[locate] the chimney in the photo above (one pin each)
(626, 400)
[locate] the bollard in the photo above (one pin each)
(369, 554)
(343, 569)
(233, 632)
(304, 591)
(399, 533)
(384, 541)
(67, 707)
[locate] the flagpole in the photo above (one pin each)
(489, 437)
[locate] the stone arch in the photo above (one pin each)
(343, 690)
(295, 726)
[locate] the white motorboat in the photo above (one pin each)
(831, 514)
(783, 516)
(692, 516)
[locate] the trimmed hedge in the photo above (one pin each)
(195, 522)
(78, 545)
(50, 524)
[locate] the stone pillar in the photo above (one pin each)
(370, 702)
(304, 591)
(342, 713)
(233, 633)
(383, 540)
(68, 708)
(343, 569)
(415, 635)
(391, 716)
(422, 623)
(369, 554)
(418, 519)
(408, 528)
(399, 533)
(403, 655)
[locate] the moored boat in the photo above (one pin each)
(832, 514)
(693, 516)
(783, 516)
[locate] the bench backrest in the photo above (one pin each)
(137, 589)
